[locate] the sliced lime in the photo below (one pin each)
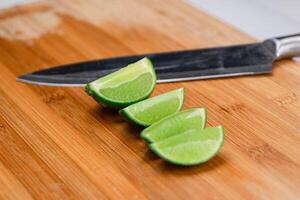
(180, 122)
(154, 109)
(192, 147)
(125, 86)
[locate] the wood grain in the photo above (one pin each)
(57, 143)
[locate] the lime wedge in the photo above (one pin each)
(192, 147)
(125, 86)
(154, 109)
(177, 123)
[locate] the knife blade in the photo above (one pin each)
(247, 59)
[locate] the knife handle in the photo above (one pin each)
(287, 46)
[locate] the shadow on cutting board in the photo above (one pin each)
(112, 117)
(176, 170)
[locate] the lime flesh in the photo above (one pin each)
(192, 147)
(125, 86)
(154, 109)
(177, 123)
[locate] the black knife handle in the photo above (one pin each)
(287, 46)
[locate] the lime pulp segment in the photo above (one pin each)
(125, 86)
(192, 147)
(151, 110)
(177, 123)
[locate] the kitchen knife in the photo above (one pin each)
(248, 59)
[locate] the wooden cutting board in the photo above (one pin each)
(58, 143)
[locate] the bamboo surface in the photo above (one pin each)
(58, 143)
